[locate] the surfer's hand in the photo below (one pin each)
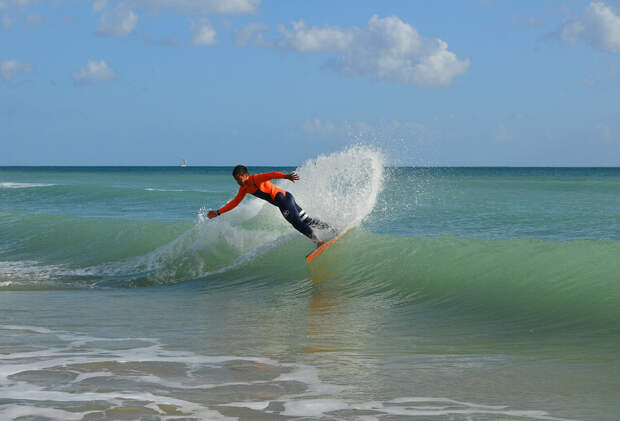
(292, 176)
(211, 214)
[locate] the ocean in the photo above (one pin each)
(457, 294)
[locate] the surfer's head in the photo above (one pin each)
(241, 174)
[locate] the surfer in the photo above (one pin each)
(260, 186)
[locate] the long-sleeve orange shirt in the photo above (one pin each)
(260, 186)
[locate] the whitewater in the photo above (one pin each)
(458, 294)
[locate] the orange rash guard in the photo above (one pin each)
(260, 186)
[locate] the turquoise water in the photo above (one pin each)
(459, 294)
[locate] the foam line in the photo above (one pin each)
(165, 392)
(11, 185)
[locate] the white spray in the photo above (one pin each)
(342, 188)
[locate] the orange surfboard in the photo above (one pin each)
(321, 249)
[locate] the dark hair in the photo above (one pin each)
(239, 170)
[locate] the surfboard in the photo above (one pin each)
(324, 247)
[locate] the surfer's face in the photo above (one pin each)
(242, 179)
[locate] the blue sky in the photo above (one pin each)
(149, 82)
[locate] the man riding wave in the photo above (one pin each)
(260, 186)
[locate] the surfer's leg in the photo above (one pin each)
(312, 222)
(290, 211)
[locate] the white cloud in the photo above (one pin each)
(387, 49)
(251, 34)
(93, 72)
(118, 23)
(392, 50)
(9, 68)
(204, 33)
(201, 7)
(599, 26)
(119, 18)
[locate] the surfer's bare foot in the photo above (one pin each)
(320, 243)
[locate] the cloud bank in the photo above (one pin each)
(386, 48)
(122, 19)
(599, 26)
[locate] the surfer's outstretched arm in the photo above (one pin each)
(259, 178)
(229, 206)
(243, 178)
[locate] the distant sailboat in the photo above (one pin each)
(184, 163)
